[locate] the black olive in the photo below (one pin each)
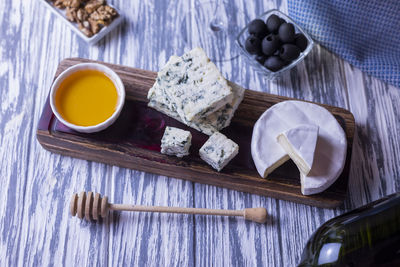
(253, 45)
(286, 32)
(301, 41)
(289, 52)
(274, 63)
(261, 58)
(270, 44)
(273, 22)
(258, 28)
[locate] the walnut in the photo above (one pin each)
(75, 3)
(95, 25)
(71, 14)
(82, 14)
(111, 11)
(61, 4)
(105, 14)
(85, 28)
(91, 6)
(95, 15)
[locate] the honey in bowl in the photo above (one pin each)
(86, 98)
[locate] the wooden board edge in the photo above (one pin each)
(45, 139)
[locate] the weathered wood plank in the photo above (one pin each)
(45, 236)
(45, 233)
(139, 239)
(375, 166)
(35, 185)
(319, 78)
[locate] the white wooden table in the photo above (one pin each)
(36, 185)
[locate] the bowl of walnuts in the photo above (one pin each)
(273, 43)
(91, 20)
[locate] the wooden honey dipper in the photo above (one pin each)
(91, 206)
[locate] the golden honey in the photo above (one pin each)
(86, 98)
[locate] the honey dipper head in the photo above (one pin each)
(259, 215)
(90, 206)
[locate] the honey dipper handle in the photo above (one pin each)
(175, 210)
(186, 210)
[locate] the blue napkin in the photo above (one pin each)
(366, 33)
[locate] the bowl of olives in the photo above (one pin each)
(274, 43)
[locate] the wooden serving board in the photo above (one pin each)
(133, 141)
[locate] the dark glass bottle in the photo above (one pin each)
(367, 236)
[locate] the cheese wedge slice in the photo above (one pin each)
(330, 153)
(299, 143)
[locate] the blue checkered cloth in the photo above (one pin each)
(366, 32)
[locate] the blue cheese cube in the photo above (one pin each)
(176, 142)
(218, 151)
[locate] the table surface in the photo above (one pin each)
(36, 185)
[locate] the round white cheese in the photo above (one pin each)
(330, 151)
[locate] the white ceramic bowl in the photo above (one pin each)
(89, 66)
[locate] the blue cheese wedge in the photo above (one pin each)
(193, 86)
(218, 151)
(208, 124)
(176, 142)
